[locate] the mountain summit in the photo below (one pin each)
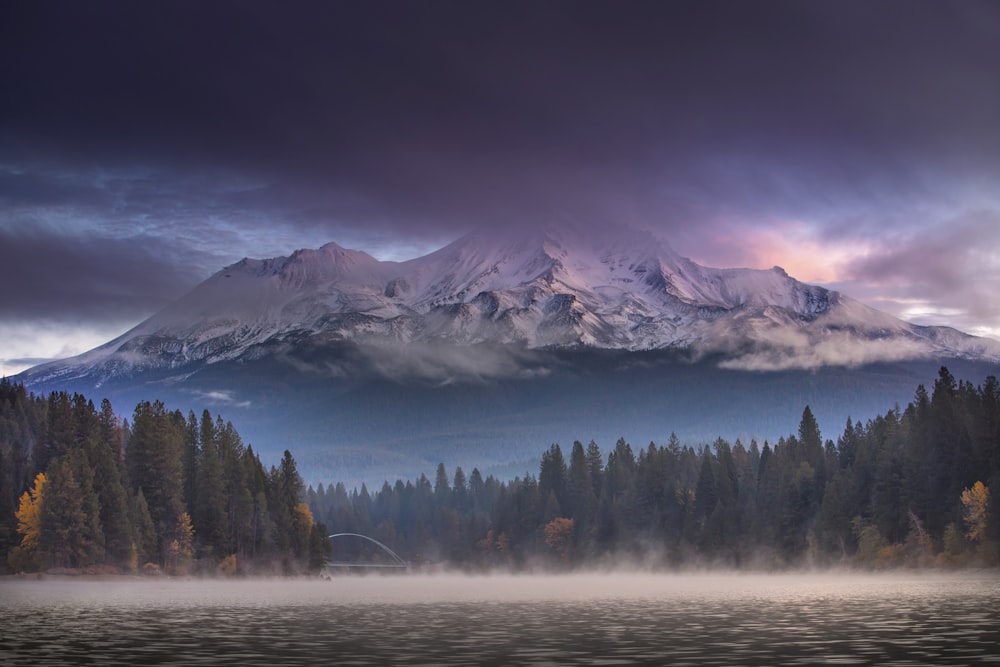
(491, 347)
(620, 289)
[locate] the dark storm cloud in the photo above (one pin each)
(144, 145)
(67, 279)
(444, 114)
(35, 189)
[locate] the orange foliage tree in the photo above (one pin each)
(29, 523)
(975, 501)
(559, 534)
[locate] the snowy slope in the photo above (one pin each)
(621, 290)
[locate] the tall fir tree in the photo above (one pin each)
(154, 458)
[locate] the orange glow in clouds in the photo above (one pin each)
(793, 246)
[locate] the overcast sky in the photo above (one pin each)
(144, 145)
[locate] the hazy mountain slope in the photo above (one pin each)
(360, 424)
(491, 348)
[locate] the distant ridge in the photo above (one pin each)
(493, 347)
(623, 289)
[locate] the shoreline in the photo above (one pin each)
(610, 573)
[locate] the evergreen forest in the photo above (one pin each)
(82, 489)
(909, 488)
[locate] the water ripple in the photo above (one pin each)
(781, 620)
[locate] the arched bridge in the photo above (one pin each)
(396, 562)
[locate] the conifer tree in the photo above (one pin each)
(552, 475)
(58, 435)
(65, 540)
(113, 501)
(154, 458)
(706, 492)
(190, 463)
(441, 488)
(595, 463)
(581, 500)
(92, 539)
(459, 489)
(319, 547)
(477, 490)
(210, 503)
(287, 492)
(145, 545)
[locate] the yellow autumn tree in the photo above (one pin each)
(181, 548)
(558, 535)
(303, 516)
(302, 523)
(185, 536)
(975, 501)
(228, 565)
(494, 547)
(26, 556)
(29, 523)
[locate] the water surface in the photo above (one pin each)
(622, 619)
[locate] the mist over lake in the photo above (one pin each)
(580, 619)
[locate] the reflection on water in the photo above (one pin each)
(451, 620)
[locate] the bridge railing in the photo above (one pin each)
(397, 560)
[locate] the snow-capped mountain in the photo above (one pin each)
(623, 289)
(484, 351)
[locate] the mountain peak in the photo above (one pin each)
(615, 287)
(330, 262)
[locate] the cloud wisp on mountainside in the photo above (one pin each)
(476, 352)
(490, 303)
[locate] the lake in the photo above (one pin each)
(598, 619)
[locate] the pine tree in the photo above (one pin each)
(812, 449)
(459, 490)
(706, 492)
(319, 547)
(257, 485)
(210, 502)
(239, 501)
(110, 433)
(441, 488)
(113, 501)
(595, 463)
(477, 490)
(190, 463)
(145, 547)
(154, 458)
(63, 539)
(8, 499)
(288, 492)
(581, 500)
(58, 435)
(92, 543)
(552, 475)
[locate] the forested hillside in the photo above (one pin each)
(82, 489)
(910, 487)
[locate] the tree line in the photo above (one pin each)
(907, 488)
(83, 489)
